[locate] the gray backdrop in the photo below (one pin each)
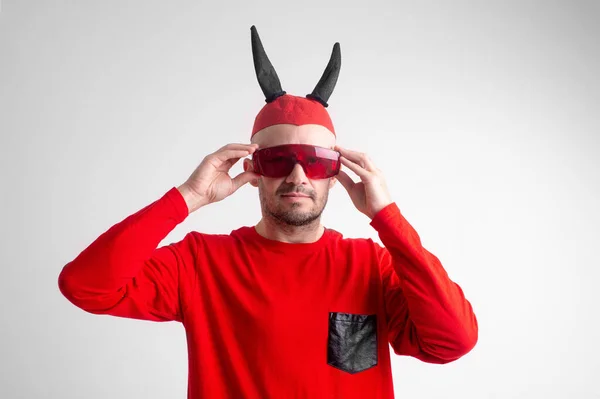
(484, 117)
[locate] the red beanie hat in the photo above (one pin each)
(287, 108)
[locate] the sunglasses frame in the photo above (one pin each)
(320, 152)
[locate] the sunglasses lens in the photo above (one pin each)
(277, 166)
(279, 161)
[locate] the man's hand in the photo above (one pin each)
(210, 182)
(371, 194)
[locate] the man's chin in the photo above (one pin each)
(295, 217)
(297, 221)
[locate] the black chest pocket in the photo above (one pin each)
(352, 341)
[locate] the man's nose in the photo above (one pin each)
(297, 176)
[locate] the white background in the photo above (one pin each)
(484, 117)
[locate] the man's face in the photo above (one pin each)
(274, 192)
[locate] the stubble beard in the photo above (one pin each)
(292, 214)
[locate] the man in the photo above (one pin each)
(287, 308)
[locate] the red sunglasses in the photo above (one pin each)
(279, 161)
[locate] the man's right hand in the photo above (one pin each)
(210, 182)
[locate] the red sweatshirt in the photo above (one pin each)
(267, 319)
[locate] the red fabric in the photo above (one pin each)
(256, 311)
(294, 110)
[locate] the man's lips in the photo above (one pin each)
(295, 195)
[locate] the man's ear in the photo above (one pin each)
(248, 167)
(332, 182)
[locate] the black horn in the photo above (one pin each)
(324, 88)
(267, 77)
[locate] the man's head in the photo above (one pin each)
(289, 119)
(274, 193)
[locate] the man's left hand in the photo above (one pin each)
(371, 194)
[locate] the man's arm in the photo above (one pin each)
(427, 313)
(122, 273)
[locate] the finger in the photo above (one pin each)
(250, 148)
(359, 158)
(238, 146)
(345, 180)
(243, 178)
(230, 162)
(359, 170)
(224, 155)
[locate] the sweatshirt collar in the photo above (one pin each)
(286, 247)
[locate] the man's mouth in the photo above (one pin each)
(295, 195)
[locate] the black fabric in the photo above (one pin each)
(326, 84)
(265, 72)
(352, 341)
(269, 81)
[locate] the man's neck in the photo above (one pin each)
(288, 233)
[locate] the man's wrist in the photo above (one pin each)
(192, 200)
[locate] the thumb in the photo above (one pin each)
(243, 178)
(345, 180)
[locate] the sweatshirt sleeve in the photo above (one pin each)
(123, 273)
(428, 316)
